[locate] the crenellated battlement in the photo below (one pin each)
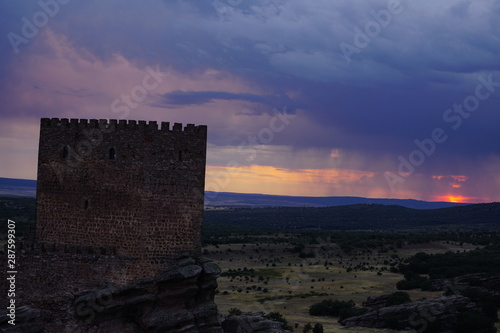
(120, 189)
(121, 124)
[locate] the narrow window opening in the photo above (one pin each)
(180, 155)
(112, 153)
(65, 152)
(86, 205)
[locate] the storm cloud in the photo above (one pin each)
(367, 82)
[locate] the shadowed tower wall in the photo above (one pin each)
(122, 184)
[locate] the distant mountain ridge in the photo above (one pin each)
(10, 187)
(352, 217)
(226, 199)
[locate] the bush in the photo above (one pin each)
(399, 297)
(307, 328)
(234, 312)
(318, 328)
(415, 282)
(307, 255)
(276, 316)
(330, 307)
(345, 313)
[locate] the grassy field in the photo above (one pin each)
(283, 282)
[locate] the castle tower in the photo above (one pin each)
(122, 184)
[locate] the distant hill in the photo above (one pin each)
(10, 187)
(225, 199)
(27, 188)
(352, 217)
(222, 221)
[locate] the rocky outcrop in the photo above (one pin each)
(485, 284)
(180, 299)
(376, 302)
(251, 322)
(26, 319)
(416, 315)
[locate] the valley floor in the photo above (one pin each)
(271, 278)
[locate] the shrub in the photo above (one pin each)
(416, 282)
(234, 312)
(276, 316)
(329, 307)
(318, 328)
(399, 297)
(345, 313)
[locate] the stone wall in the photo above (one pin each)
(48, 272)
(122, 184)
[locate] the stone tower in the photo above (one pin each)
(126, 185)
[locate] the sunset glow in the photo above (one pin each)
(279, 181)
(457, 199)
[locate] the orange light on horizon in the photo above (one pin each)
(280, 181)
(453, 198)
(271, 180)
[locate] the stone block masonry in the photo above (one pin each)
(123, 184)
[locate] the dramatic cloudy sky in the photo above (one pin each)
(300, 97)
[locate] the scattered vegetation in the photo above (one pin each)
(336, 308)
(307, 328)
(360, 217)
(245, 272)
(276, 316)
(288, 297)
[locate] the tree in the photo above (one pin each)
(307, 328)
(398, 297)
(318, 328)
(329, 307)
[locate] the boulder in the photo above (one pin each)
(251, 322)
(26, 320)
(376, 302)
(416, 315)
